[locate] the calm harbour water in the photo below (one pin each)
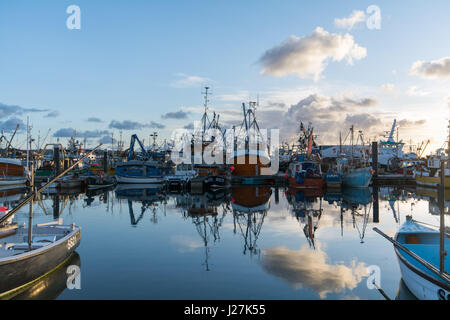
(249, 243)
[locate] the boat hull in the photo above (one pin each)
(424, 242)
(308, 183)
(24, 269)
(139, 180)
(357, 178)
(421, 286)
(431, 181)
(249, 164)
(50, 286)
(13, 181)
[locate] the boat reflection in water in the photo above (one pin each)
(150, 196)
(306, 206)
(52, 285)
(204, 214)
(250, 206)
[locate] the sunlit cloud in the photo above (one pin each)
(189, 81)
(388, 88)
(357, 16)
(416, 91)
(437, 69)
(186, 243)
(311, 269)
(307, 57)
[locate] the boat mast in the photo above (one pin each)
(351, 130)
(28, 151)
(30, 217)
(205, 115)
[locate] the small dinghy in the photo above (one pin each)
(23, 262)
(425, 243)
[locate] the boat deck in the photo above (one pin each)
(17, 243)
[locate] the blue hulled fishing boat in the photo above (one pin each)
(355, 171)
(145, 167)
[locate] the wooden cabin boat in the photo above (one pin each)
(425, 243)
(51, 245)
(12, 172)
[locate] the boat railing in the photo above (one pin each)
(444, 275)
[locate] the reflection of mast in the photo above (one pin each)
(55, 206)
(310, 228)
(206, 229)
(365, 220)
(253, 224)
(203, 212)
(134, 221)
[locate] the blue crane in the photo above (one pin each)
(135, 138)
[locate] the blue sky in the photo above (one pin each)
(139, 60)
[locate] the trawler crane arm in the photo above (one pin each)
(135, 138)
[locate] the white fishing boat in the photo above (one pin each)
(183, 172)
(426, 283)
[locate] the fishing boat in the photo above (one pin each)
(430, 175)
(99, 182)
(250, 155)
(425, 243)
(333, 180)
(209, 138)
(305, 171)
(355, 171)
(183, 172)
(353, 174)
(12, 172)
(146, 167)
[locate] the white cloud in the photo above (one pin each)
(415, 91)
(310, 269)
(187, 81)
(307, 57)
(437, 69)
(388, 87)
(348, 23)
